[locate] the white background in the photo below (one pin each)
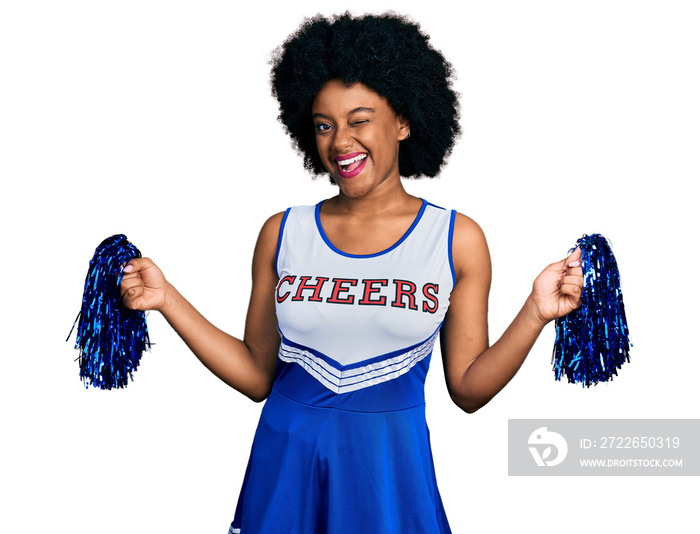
(154, 119)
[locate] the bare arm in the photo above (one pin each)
(247, 365)
(476, 372)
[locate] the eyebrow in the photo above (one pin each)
(356, 110)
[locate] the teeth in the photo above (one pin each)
(352, 160)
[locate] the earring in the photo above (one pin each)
(407, 136)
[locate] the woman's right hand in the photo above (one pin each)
(143, 285)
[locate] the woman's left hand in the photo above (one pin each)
(557, 290)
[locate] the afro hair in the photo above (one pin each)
(387, 53)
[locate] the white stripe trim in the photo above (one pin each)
(357, 378)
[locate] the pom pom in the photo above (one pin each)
(110, 337)
(592, 342)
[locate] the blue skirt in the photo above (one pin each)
(323, 470)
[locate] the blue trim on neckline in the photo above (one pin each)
(322, 233)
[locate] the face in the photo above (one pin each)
(357, 136)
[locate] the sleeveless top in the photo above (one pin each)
(342, 444)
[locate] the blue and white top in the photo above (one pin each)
(357, 335)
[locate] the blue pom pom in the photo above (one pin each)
(110, 337)
(592, 342)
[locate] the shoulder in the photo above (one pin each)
(269, 233)
(274, 226)
(470, 253)
(266, 247)
(467, 228)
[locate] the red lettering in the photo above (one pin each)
(370, 289)
(339, 286)
(405, 288)
(315, 287)
(309, 289)
(288, 279)
(430, 292)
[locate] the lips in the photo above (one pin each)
(350, 165)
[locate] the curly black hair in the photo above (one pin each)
(387, 53)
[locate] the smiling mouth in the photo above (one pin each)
(350, 165)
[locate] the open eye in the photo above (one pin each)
(322, 127)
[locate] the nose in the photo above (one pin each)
(342, 139)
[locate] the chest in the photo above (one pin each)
(354, 307)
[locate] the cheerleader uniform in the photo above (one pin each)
(342, 444)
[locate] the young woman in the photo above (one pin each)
(350, 295)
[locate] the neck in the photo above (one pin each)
(386, 198)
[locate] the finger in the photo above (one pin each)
(573, 265)
(574, 256)
(571, 285)
(132, 297)
(130, 274)
(573, 260)
(557, 266)
(137, 264)
(133, 293)
(574, 268)
(129, 284)
(130, 281)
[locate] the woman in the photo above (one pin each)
(350, 295)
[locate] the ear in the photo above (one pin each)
(404, 127)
